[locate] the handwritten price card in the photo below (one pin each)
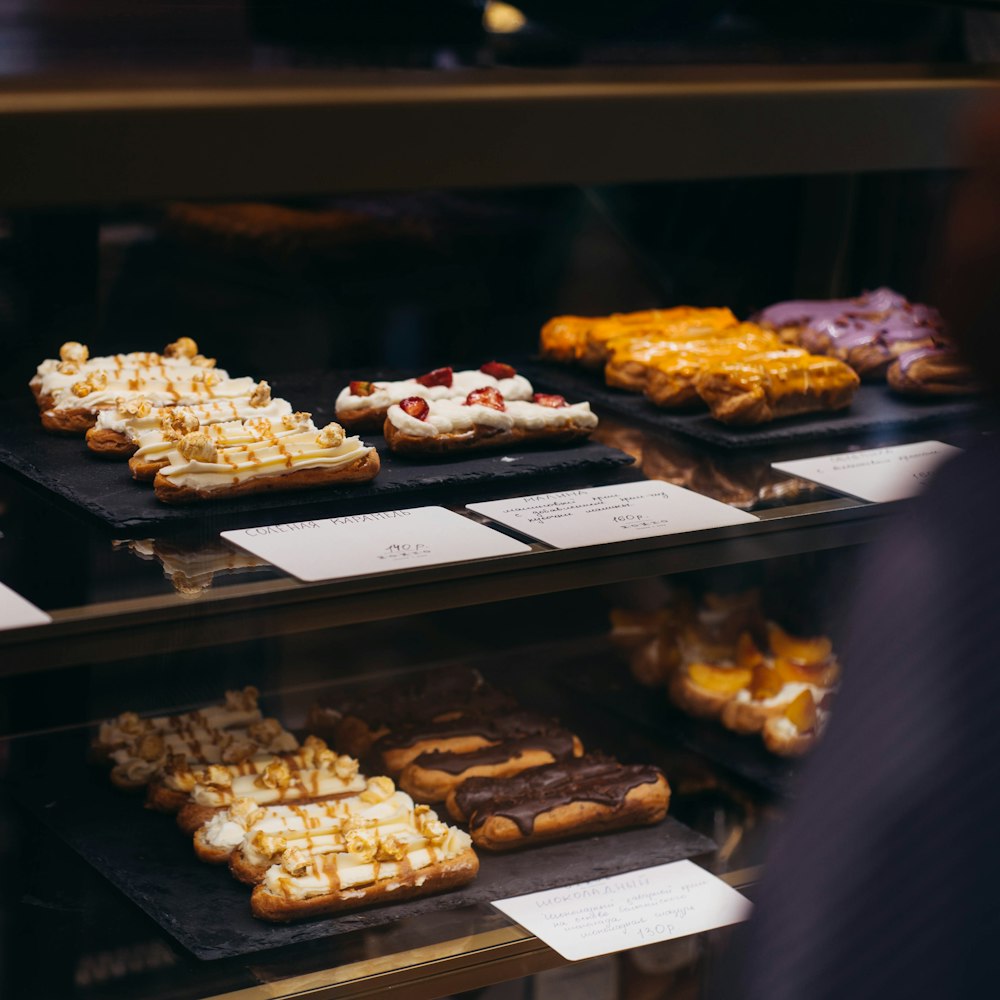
(626, 911)
(16, 612)
(878, 474)
(611, 514)
(340, 547)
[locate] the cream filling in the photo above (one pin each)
(159, 392)
(307, 784)
(154, 444)
(216, 411)
(463, 382)
(236, 465)
(337, 872)
(455, 418)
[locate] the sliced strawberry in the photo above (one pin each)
(549, 399)
(498, 369)
(415, 406)
(362, 388)
(487, 396)
(440, 376)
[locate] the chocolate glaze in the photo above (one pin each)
(559, 743)
(490, 727)
(527, 795)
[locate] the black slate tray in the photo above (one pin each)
(104, 489)
(618, 692)
(874, 406)
(145, 856)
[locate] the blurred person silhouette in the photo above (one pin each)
(882, 883)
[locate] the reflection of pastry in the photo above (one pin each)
(192, 568)
(932, 371)
(197, 470)
(118, 429)
(432, 858)
(785, 384)
(796, 729)
(125, 730)
(355, 724)
(433, 776)
(484, 420)
(363, 405)
(460, 735)
(572, 798)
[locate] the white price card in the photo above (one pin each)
(611, 513)
(16, 612)
(333, 548)
(626, 911)
(879, 474)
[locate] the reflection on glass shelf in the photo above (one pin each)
(192, 567)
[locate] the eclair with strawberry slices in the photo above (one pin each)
(364, 404)
(484, 420)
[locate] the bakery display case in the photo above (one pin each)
(326, 222)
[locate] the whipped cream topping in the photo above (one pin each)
(453, 417)
(181, 370)
(366, 862)
(463, 382)
(313, 783)
(182, 391)
(159, 442)
(215, 411)
(77, 359)
(271, 457)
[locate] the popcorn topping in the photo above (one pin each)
(261, 395)
(378, 789)
(179, 420)
(330, 436)
(345, 767)
(217, 775)
(134, 406)
(295, 861)
(276, 775)
(150, 747)
(291, 421)
(183, 347)
(363, 844)
(196, 447)
(75, 352)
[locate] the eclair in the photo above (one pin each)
(179, 359)
(137, 765)
(433, 776)
(439, 696)
(567, 799)
(484, 420)
(362, 405)
(198, 470)
(263, 847)
(170, 790)
(75, 410)
(932, 371)
(229, 828)
(432, 857)
(777, 385)
(118, 429)
(276, 785)
(154, 447)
